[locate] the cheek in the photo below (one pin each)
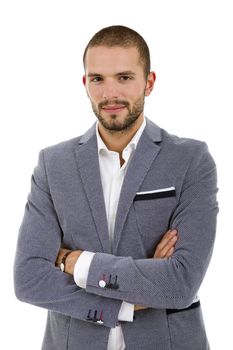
(91, 95)
(136, 92)
(95, 95)
(128, 94)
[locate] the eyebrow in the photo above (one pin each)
(128, 72)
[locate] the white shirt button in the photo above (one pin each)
(102, 283)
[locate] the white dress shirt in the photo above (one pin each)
(112, 176)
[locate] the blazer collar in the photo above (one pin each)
(152, 130)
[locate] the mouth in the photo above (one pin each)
(113, 108)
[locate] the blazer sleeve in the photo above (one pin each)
(172, 282)
(36, 278)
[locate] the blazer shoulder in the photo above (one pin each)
(187, 150)
(181, 141)
(61, 153)
(183, 144)
(62, 147)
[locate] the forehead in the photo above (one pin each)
(110, 60)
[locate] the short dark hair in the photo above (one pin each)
(124, 37)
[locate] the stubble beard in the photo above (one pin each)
(113, 125)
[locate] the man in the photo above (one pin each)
(97, 243)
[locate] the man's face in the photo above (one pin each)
(116, 85)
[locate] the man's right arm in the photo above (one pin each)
(163, 250)
(37, 280)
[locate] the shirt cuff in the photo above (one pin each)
(81, 268)
(126, 312)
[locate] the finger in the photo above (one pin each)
(61, 253)
(166, 238)
(171, 243)
(170, 252)
(163, 252)
(138, 307)
(165, 244)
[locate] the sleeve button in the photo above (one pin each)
(102, 283)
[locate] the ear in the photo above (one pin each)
(84, 83)
(150, 83)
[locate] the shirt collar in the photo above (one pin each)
(133, 142)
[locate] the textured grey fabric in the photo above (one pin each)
(66, 207)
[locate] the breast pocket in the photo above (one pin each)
(153, 211)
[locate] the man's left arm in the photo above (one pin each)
(78, 263)
(173, 282)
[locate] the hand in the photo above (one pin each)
(70, 260)
(138, 307)
(166, 246)
(163, 250)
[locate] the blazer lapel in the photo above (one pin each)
(145, 153)
(88, 165)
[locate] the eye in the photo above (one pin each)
(96, 79)
(125, 77)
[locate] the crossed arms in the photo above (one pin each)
(156, 283)
(163, 250)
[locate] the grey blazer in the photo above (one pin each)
(170, 183)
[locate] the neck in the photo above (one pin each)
(118, 140)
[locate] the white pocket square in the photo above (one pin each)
(167, 189)
(155, 194)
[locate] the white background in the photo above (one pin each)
(43, 102)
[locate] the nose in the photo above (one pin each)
(110, 91)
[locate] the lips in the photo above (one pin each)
(113, 108)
